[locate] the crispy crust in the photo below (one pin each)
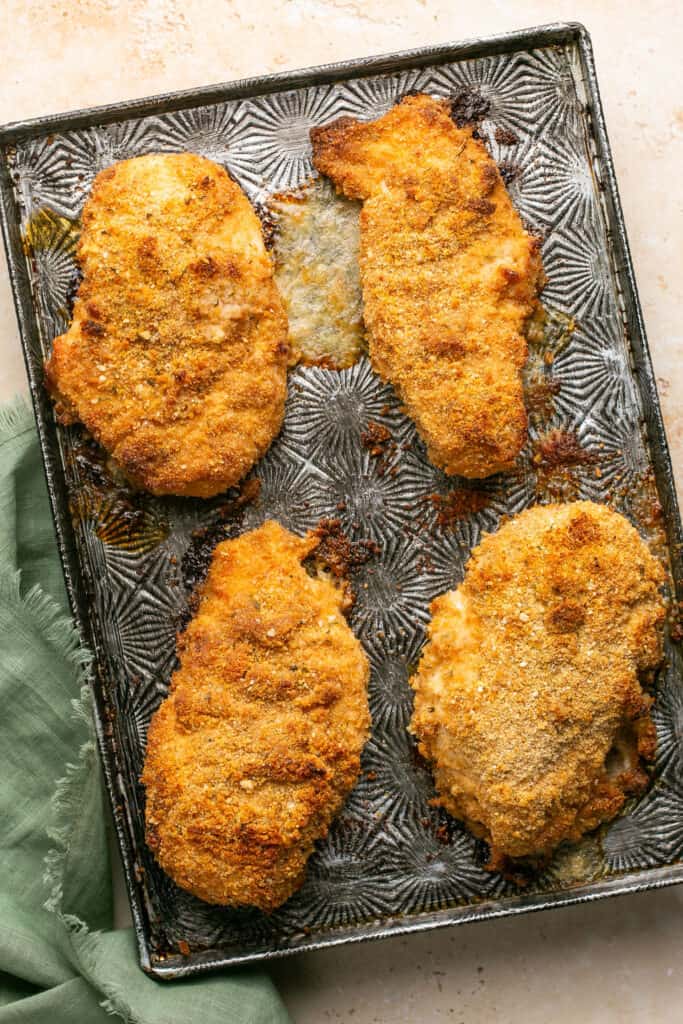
(528, 698)
(450, 278)
(176, 357)
(258, 743)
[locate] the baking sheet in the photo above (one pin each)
(392, 863)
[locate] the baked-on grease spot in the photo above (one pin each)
(269, 225)
(119, 516)
(375, 437)
(676, 622)
(457, 504)
(540, 392)
(561, 448)
(337, 553)
(558, 459)
(381, 445)
(47, 229)
(548, 333)
(509, 171)
(469, 107)
(505, 137)
(49, 242)
(638, 498)
(227, 522)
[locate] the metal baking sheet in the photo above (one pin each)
(392, 863)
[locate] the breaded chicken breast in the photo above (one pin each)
(176, 357)
(450, 277)
(258, 743)
(528, 696)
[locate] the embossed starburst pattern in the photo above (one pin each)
(495, 83)
(216, 132)
(650, 834)
(550, 181)
(50, 241)
(392, 660)
(365, 98)
(45, 177)
(438, 865)
(289, 491)
(580, 280)
(391, 853)
(393, 590)
(276, 135)
(401, 785)
(346, 874)
(668, 717)
(593, 372)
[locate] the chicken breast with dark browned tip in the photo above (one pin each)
(528, 695)
(175, 360)
(258, 744)
(450, 277)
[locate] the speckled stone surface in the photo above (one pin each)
(617, 961)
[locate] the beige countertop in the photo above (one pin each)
(615, 962)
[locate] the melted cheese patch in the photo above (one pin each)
(316, 270)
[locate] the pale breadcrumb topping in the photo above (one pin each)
(176, 357)
(258, 744)
(528, 696)
(450, 277)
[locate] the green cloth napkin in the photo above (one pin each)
(60, 962)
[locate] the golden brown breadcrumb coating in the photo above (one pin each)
(175, 360)
(258, 743)
(528, 698)
(450, 277)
